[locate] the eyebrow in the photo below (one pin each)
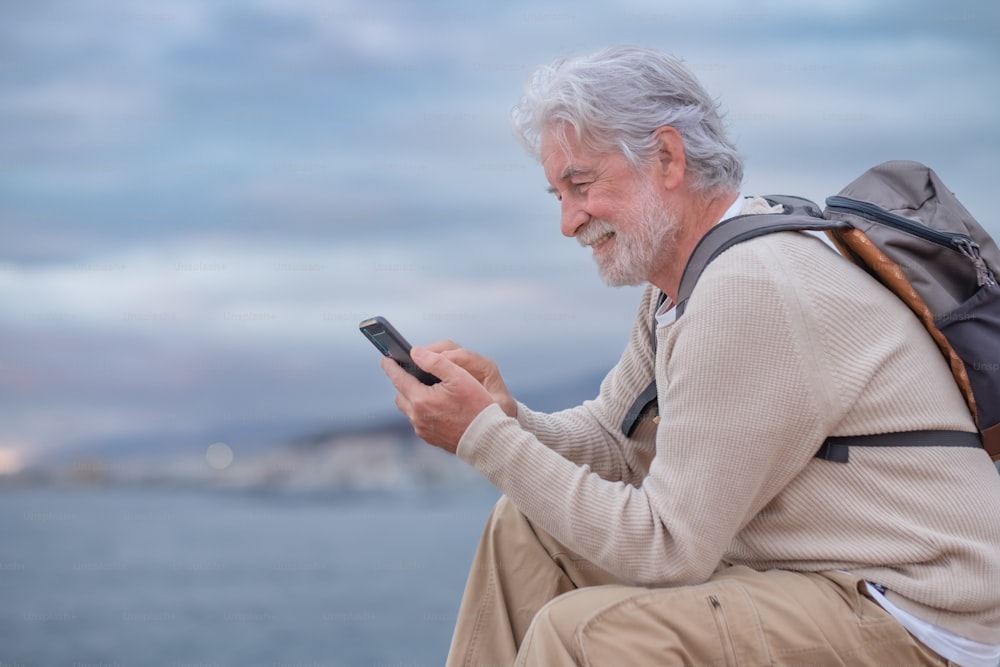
(569, 172)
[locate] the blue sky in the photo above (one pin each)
(199, 200)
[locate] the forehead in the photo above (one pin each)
(559, 144)
(562, 154)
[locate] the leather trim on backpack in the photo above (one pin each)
(991, 441)
(892, 276)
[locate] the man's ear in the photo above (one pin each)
(670, 156)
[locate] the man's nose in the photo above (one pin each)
(573, 218)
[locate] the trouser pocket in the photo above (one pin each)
(722, 625)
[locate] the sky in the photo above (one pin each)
(199, 201)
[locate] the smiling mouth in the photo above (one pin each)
(597, 243)
(595, 235)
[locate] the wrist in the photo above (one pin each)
(509, 407)
(472, 437)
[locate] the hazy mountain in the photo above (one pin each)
(367, 452)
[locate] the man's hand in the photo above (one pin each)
(481, 368)
(441, 413)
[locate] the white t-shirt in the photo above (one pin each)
(959, 650)
(667, 312)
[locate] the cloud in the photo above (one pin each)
(265, 332)
(199, 201)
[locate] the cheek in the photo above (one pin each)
(604, 206)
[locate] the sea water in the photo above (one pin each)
(185, 578)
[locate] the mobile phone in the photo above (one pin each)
(390, 343)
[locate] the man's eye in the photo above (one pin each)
(581, 186)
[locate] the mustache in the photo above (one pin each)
(593, 230)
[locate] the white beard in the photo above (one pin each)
(635, 255)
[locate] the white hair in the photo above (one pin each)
(616, 98)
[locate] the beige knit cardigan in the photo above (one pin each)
(782, 344)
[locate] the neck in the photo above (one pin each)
(696, 215)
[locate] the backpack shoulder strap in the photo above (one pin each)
(646, 400)
(799, 215)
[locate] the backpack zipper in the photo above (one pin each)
(961, 243)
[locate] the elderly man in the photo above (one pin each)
(711, 534)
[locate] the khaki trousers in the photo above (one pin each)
(530, 601)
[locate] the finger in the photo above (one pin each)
(404, 405)
(401, 380)
(443, 345)
(437, 364)
(479, 366)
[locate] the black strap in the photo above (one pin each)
(642, 404)
(799, 214)
(647, 398)
(835, 448)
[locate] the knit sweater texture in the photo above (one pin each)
(782, 344)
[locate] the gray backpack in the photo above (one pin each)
(901, 224)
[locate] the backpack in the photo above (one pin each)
(904, 227)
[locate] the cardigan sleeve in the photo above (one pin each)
(590, 434)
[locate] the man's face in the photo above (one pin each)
(609, 206)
